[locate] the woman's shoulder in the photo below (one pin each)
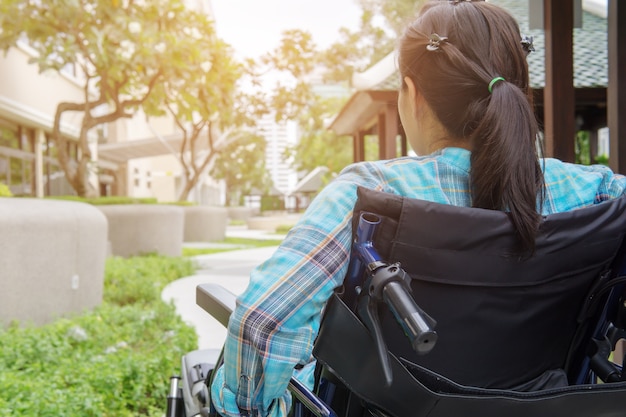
(557, 167)
(448, 157)
(581, 185)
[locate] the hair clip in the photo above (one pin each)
(527, 44)
(435, 41)
(459, 1)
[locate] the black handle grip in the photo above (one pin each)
(418, 326)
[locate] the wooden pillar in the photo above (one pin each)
(388, 131)
(559, 99)
(593, 143)
(404, 147)
(40, 142)
(616, 94)
(358, 149)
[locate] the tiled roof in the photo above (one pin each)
(590, 50)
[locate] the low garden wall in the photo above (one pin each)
(139, 229)
(272, 222)
(53, 255)
(205, 223)
(240, 213)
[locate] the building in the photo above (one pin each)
(135, 157)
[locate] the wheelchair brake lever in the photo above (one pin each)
(367, 308)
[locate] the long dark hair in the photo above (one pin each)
(454, 75)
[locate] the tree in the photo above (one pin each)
(355, 51)
(123, 50)
(243, 170)
(296, 64)
(199, 95)
(319, 146)
(396, 14)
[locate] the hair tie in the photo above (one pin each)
(495, 80)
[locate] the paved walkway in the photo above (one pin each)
(230, 269)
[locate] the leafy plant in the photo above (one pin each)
(108, 200)
(5, 191)
(112, 361)
(244, 169)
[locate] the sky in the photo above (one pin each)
(254, 27)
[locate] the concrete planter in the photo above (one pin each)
(205, 223)
(239, 213)
(53, 255)
(138, 229)
(271, 222)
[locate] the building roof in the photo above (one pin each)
(312, 182)
(121, 152)
(590, 53)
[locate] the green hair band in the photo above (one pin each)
(495, 80)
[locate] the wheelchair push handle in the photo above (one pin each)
(389, 283)
(417, 325)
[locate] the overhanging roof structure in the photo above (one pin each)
(312, 182)
(121, 152)
(558, 97)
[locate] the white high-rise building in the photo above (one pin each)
(279, 137)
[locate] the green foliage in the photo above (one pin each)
(284, 228)
(182, 203)
(231, 243)
(272, 203)
(582, 148)
(318, 145)
(143, 283)
(128, 55)
(396, 14)
(354, 51)
(602, 159)
(5, 191)
(112, 361)
(382, 22)
(100, 201)
(244, 168)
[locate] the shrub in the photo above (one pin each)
(284, 228)
(143, 283)
(5, 191)
(112, 361)
(107, 200)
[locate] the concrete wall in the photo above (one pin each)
(239, 213)
(53, 255)
(205, 224)
(22, 88)
(139, 229)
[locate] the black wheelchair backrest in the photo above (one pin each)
(505, 321)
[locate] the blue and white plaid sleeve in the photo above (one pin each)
(277, 317)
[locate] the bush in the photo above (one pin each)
(5, 191)
(107, 200)
(272, 203)
(113, 361)
(284, 228)
(143, 283)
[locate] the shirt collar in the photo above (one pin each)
(458, 157)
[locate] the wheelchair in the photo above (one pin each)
(440, 316)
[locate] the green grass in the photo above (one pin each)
(232, 243)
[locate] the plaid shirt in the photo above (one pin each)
(277, 318)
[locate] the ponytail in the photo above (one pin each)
(469, 62)
(505, 173)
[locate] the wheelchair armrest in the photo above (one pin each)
(216, 300)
